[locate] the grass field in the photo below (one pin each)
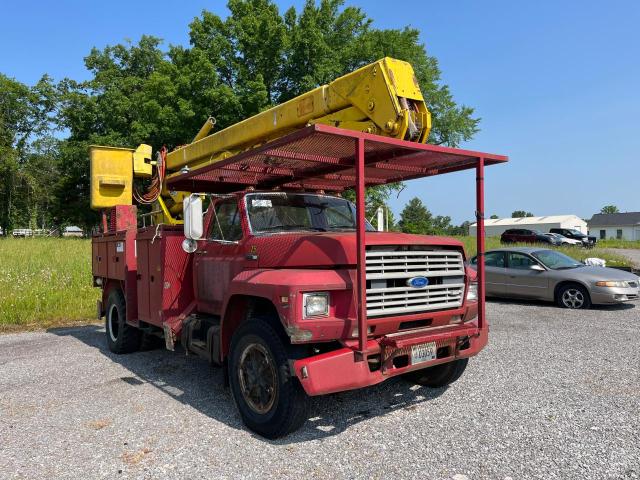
(619, 244)
(46, 282)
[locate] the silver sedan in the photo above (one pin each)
(543, 274)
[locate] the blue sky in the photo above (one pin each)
(557, 85)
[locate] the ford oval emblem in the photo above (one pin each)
(418, 282)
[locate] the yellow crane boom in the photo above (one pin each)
(382, 98)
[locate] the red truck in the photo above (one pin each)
(289, 288)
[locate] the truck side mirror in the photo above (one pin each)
(192, 214)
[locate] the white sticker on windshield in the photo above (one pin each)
(260, 202)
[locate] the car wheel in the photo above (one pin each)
(440, 375)
(573, 296)
(121, 337)
(270, 400)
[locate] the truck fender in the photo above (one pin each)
(238, 308)
(107, 287)
(267, 288)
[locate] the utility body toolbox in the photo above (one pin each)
(164, 276)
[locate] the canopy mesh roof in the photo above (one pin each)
(320, 157)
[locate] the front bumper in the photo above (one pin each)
(385, 357)
(609, 296)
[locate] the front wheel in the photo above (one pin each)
(439, 375)
(270, 400)
(573, 296)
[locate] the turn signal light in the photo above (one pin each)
(612, 284)
(472, 292)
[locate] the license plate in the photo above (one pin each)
(423, 352)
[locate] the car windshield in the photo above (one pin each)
(286, 212)
(556, 260)
(577, 233)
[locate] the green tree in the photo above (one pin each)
(442, 226)
(521, 213)
(233, 68)
(25, 126)
(460, 230)
(325, 41)
(416, 218)
(494, 217)
(609, 209)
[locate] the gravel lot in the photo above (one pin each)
(555, 395)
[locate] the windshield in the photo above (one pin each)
(577, 233)
(285, 212)
(556, 260)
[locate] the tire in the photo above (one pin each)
(270, 399)
(439, 375)
(121, 337)
(573, 296)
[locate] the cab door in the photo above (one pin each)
(521, 280)
(221, 256)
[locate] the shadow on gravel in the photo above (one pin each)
(191, 381)
(540, 303)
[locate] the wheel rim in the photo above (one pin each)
(258, 379)
(573, 298)
(113, 323)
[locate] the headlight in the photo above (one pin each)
(613, 284)
(315, 304)
(472, 292)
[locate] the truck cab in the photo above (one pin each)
(296, 251)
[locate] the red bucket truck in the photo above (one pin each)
(254, 260)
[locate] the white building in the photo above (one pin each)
(494, 227)
(622, 226)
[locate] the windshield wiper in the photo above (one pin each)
(342, 227)
(292, 227)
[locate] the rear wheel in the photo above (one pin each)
(573, 296)
(439, 375)
(121, 337)
(270, 400)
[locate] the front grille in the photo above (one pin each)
(388, 271)
(633, 284)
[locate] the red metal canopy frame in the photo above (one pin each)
(321, 157)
